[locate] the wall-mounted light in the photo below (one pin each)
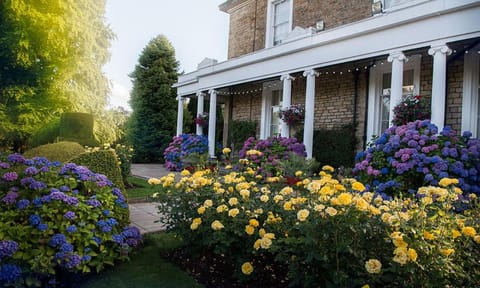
(376, 7)
(320, 25)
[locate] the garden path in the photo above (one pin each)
(144, 214)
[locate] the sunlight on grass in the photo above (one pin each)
(141, 188)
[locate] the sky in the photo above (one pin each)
(196, 29)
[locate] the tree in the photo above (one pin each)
(51, 54)
(153, 100)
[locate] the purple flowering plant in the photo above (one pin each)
(410, 156)
(201, 119)
(410, 109)
(293, 115)
(50, 220)
(264, 156)
(182, 146)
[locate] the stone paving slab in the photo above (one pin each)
(144, 214)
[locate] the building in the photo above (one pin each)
(345, 60)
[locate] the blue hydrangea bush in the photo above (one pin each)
(182, 146)
(58, 219)
(410, 156)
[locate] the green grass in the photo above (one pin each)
(146, 269)
(141, 188)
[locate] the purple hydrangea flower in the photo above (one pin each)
(57, 240)
(31, 170)
(10, 176)
(42, 227)
(34, 219)
(22, 204)
(10, 198)
(7, 248)
(9, 273)
(70, 215)
(72, 229)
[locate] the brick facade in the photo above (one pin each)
(248, 19)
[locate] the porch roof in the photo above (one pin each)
(423, 25)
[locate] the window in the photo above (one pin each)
(471, 95)
(271, 108)
(279, 21)
(379, 92)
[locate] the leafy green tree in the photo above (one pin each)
(153, 100)
(51, 54)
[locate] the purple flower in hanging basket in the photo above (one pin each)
(293, 115)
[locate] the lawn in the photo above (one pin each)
(141, 188)
(147, 268)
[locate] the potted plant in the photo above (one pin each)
(293, 115)
(202, 119)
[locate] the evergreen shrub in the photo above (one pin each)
(48, 133)
(60, 151)
(77, 127)
(240, 131)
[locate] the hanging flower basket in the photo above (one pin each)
(410, 109)
(202, 119)
(293, 115)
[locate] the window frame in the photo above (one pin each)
(375, 90)
(266, 117)
(471, 97)
(270, 28)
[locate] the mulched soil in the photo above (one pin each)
(215, 271)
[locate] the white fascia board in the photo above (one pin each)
(405, 29)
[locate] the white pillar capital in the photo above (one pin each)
(397, 56)
(212, 91)
(287, 77)
(444, 49)
(200, 93)
(310, 72)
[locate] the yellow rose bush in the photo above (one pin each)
(323, 231)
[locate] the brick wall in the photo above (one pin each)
(248, 19)
(455, 95)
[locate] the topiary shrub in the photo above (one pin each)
(123, 153)
(58, 220)
(60, 151)
(48, 133)
(407, 157)
(104, 162)
(240, 131)
(77, 127)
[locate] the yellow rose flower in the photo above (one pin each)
(226, 150)
(357, 186)
(328, 168)
(298, 173)
(345, 199)
(288, 206)
(222, 208)
(233, 201)
(249, 229)
(429, 236)
(194, 226)
(361, 204)
(228, 167)
(319, 207)
(444, 182)
(277, 198)
(427, 200)
(331, 211)
(269, 235)
(201, 210)
(245, 193)
(469, 231)
(208, 203)
(401, 255)
(154, 181)
(412, 254)
(477, 239)
(185, 173)
(456, 233)
(264, 198)
(257, 243)
(197, 220)
(253, 222)
(247, 268)
(233, 212)
(303, 214)
(373, 266)
(217, 225)
(447, 252)
(265, 243)
(261, 232)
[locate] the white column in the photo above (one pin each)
(286, 101)
(200, 101)
(211, 123)
(180, 115)
(439, 84)
(309, 112)
(397, 59)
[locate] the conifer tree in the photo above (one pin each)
(153, 100)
